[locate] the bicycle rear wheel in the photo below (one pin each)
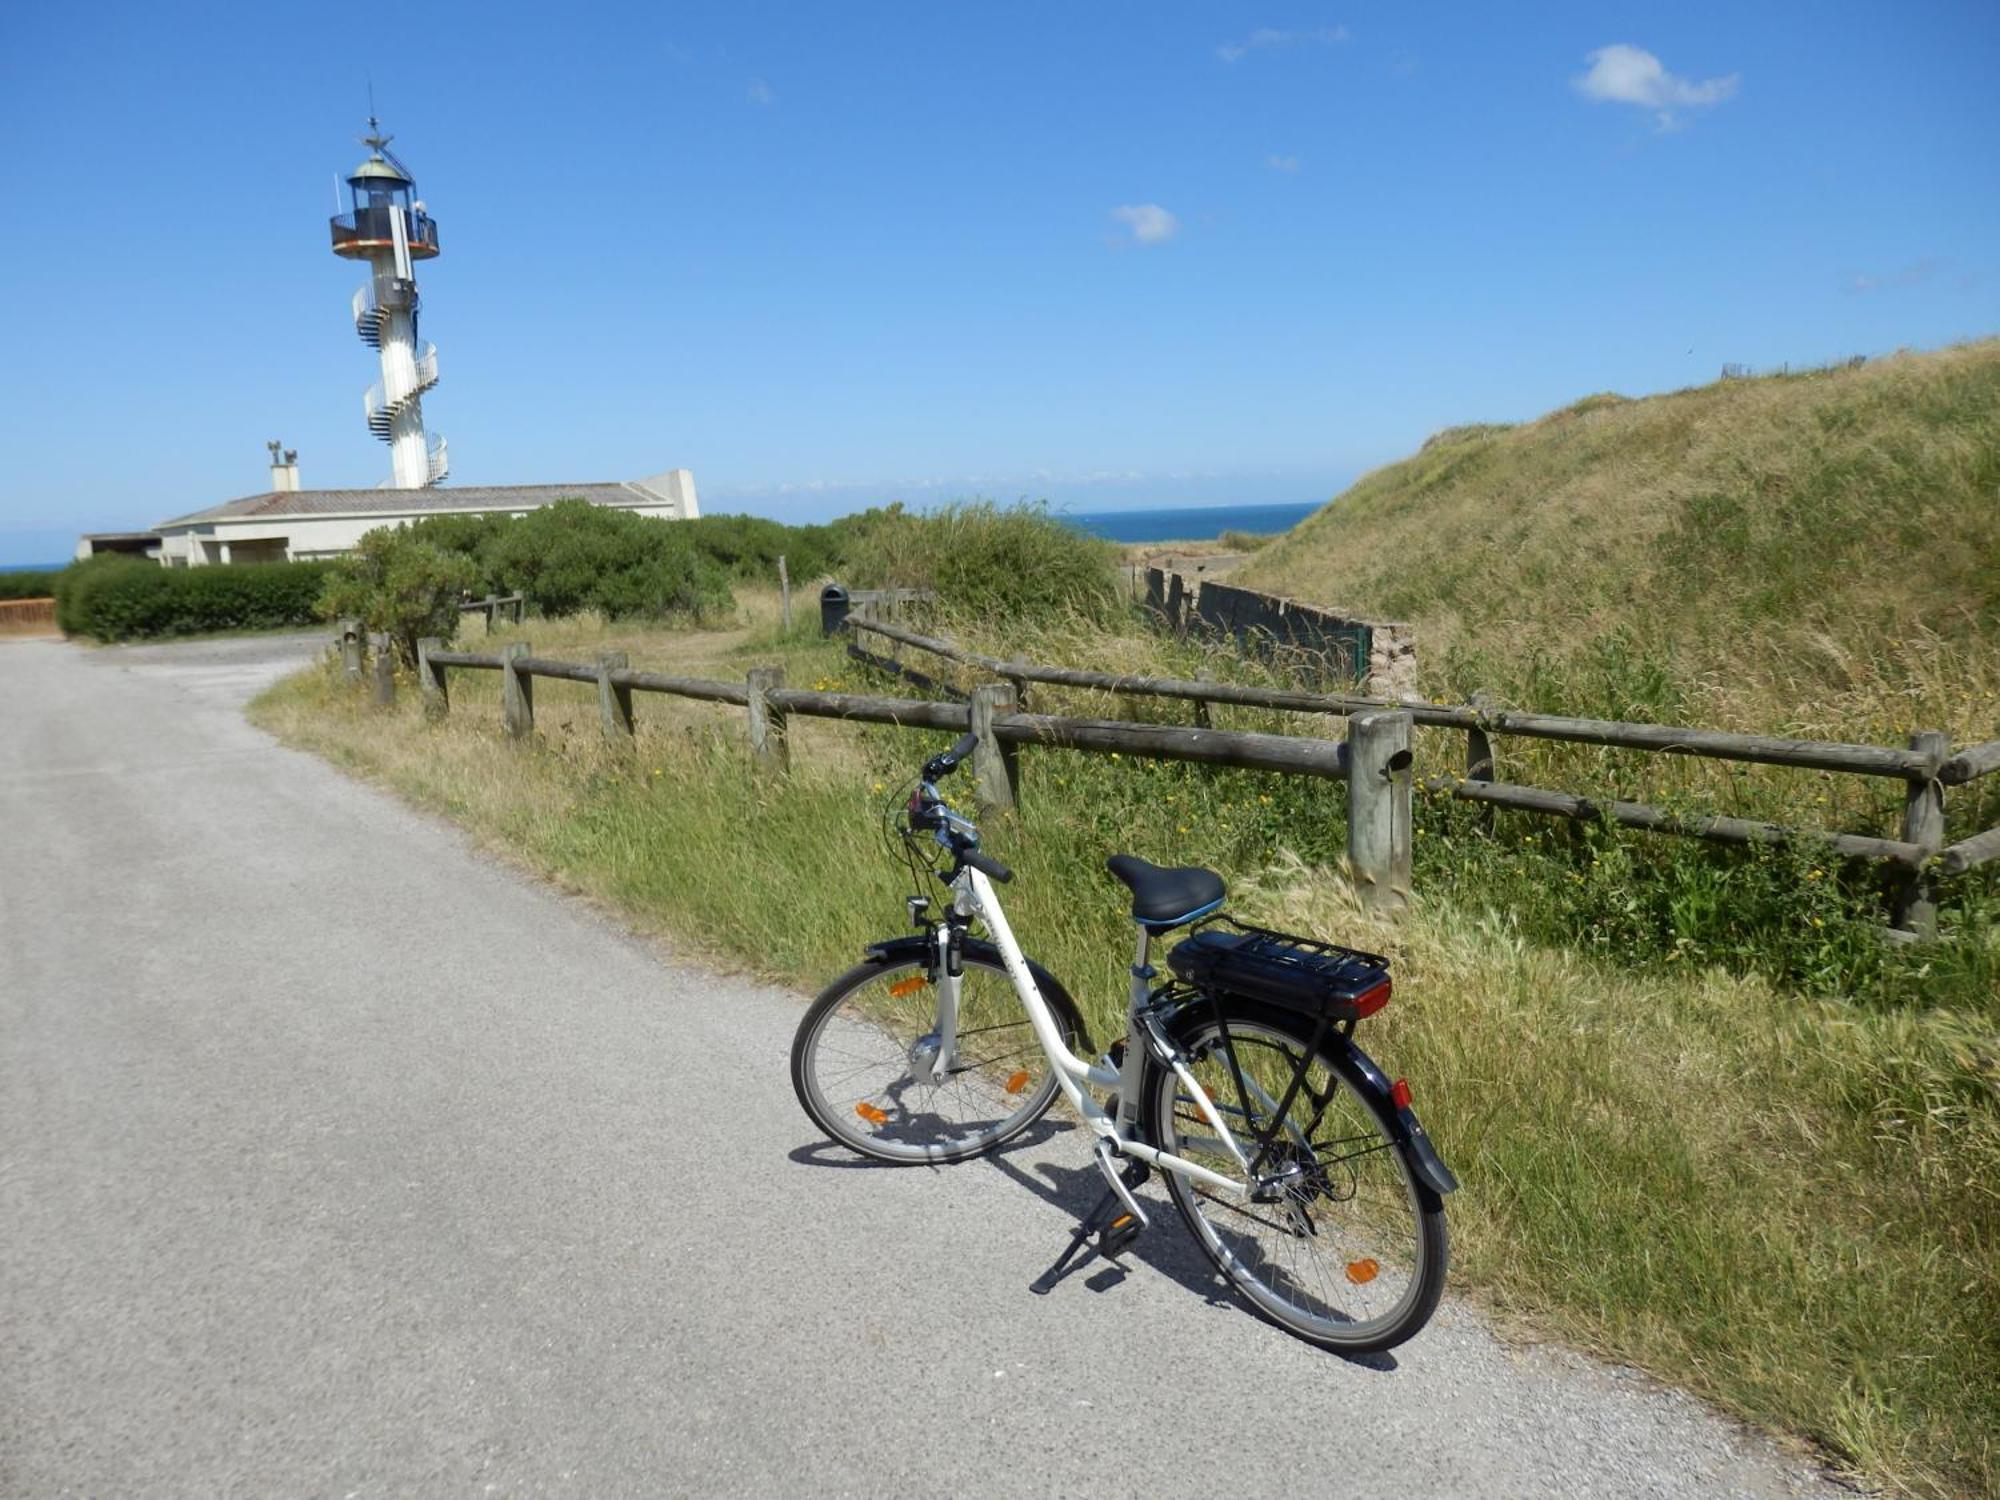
(861, 1063)
(1343, 1245)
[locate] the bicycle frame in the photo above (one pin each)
(973, 896)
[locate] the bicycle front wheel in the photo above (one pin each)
(1341, 1243)
(863, 1063)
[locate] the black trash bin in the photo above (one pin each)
(833, 606)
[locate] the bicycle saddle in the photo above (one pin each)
(1164, 898)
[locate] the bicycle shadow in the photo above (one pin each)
(838, 1157)
(1075, 1191)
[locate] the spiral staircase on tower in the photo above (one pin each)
(371, 316)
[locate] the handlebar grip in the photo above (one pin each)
(988, 866)
(943, 765)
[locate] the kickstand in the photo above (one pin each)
(1112, 1224)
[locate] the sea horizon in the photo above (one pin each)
(1191, 523)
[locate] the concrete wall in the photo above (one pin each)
(1331, 650)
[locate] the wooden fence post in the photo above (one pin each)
(1202, 674)
(492, 612)
(1479, 764)
(769, 752)
(517, 692)
(1020, 686)
(1912, 899)
(785, 593)
(350, 648)
(385, 673)
(614, 703)
(430, 679)
(1378, 808)
(996, 768)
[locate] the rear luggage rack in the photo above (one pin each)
(1281, 968)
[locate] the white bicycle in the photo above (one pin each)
(1299, 1167)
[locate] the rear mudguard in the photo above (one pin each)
(1369, 1079)
(919, 946)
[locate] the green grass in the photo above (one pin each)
(1752, 1155)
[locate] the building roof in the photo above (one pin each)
(487, 497)
(375, 166)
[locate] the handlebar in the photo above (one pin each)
(986, 865)
(927, 810)
(939, 766)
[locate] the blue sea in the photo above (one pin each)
(1190, 523)
(32, 567)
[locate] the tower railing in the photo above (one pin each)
(437, 463)
(371, 226)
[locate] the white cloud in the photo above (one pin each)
(1916, 273)
(760, 92)
(1268, 36)
(1624, 74)
(1150, 224)
(1282, 163)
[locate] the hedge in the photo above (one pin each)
(35, 583)
(121, 599)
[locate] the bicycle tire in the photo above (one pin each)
(1351, 1254)
(874, 1104)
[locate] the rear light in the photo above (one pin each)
(1399, 1093)
(1371, 999)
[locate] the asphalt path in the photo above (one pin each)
(338, 1159)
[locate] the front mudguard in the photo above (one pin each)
(1368, 1079)
(920, 946)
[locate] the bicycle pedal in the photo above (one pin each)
(1115, 1237)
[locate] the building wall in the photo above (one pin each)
(310, 537)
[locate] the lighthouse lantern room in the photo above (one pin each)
(386, 226)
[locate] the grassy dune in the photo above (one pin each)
(1780, 1196)
(1798, 549)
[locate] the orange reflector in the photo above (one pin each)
(1399, 1091)
(871, 1114)
(1018, 1082)
(1359, 1271)
(904, 987)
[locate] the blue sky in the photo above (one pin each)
(825, 256)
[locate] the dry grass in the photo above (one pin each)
(1824, 538)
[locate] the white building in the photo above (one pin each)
(295, 525)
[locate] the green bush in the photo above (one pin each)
(747, 548)
(573, 556)
(121, 598)
(397, 582)
(37, 583)
(988, 561)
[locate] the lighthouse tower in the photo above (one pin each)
(386, 226)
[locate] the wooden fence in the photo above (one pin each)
(1373, 759)
(491, 606)
(28, 617)
(1926, 767)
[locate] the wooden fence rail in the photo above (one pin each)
(515, 605)
(1379, 820)
(1926, 767)
(1374, 759)
(1817, 755)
